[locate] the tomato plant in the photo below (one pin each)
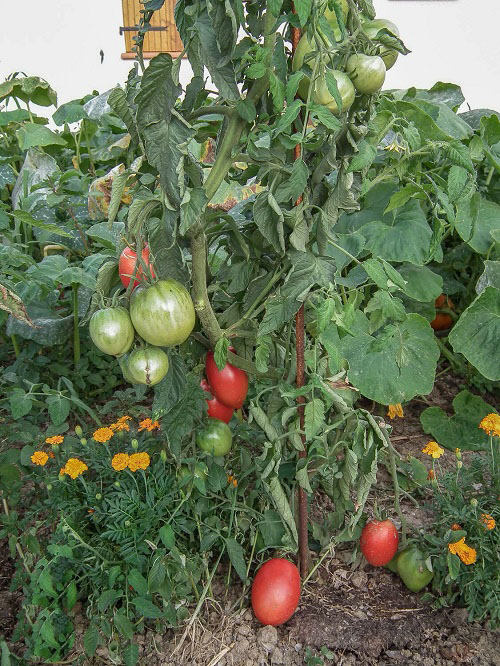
(275, 591)
(162, 314)
(111, 330)
(373, 28)
(379, 542)
(215, 438)
(216, 409)
(127, 265)
(412, 567)
(147, 366)
(229, 385)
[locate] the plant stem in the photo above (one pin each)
(218, 109)
(76, 330)
(18, 545)
(395, 483)
(15, 343)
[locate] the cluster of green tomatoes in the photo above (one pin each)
(363, 73)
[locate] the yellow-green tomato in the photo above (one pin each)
(147, 366)
(111, 330)
(372, 28)
(366, 72)
(215, 438)
(321, 95)
(200, 471)
(413, 569)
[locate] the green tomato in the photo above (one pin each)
(372, 28)
(321, 95)
(413, 569)
(393, 564)
(147, 366)
(162, 314)
(200, 471)
(366, 72)
(111, 330)
(215, 438)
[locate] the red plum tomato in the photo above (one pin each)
(229, 385)
(126, 266)
(275, 591)
(216, 409)
(379, 542)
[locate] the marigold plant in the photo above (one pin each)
(103, 434)
(433, 449)
(39, 458)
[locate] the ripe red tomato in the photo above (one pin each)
(216, 409)
(229, 385)
(126, 266)
(379, 542)
(275, 591)
(442, 321)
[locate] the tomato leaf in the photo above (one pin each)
(237, 557)
(124, 625)
(91, 640)
(220, 352)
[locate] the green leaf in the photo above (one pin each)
(269, 223)
(71, 112)
(179, 421)
(461, 430)
(282, 505)
(59, 408)
(237, 557)
(48, 635)
(107, 598)
(288, 117)
(45, 582)
(124, 625)
(220, 353)
(71, 595)
(272, 529)
(422, 284)
(364, 158)
(5, 656)
(156, 575)
(117, 100)
(476, 221)
(20, 403)
(314, 417)
(193, 204)
(331, 84)
(302, 475)
(222, 75)
(303, 9)
(147, 608)
(167, 536)
(461, 185)
(29, 89)
(131, 654)
(16, 116)
(26, 218)
(453, 562)
(262, 352)
(225, 24)
(490, 276)
(32, 134)
(382, 307)
(246, 109)
(477, 332)
(401, 197)
(138, 582)
(278, 91)
(11, 303)
(326, 117)
(91, 640)
(396, 365)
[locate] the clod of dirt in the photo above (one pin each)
(267, 637)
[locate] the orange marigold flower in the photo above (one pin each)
(62, 471)
(488, 521)
(39, 458)
(138, 461)
(455, 527)
(120, 425)
(491, 424)
(75, 467)
(468, 555)
(51, 454)
(103, 435)
(148, 424)
(457, 546)
(120, 461)
(56, 439)
(430, 475)
(433, 449)
(395, 410)
(124, 418)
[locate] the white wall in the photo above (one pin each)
(60, 40)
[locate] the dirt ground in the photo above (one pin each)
(346, 615)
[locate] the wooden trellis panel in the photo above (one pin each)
(156, 41)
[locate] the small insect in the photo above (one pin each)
(101, 53)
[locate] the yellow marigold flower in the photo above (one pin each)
(124, 418)
(120, 461)
(468, 555)
(491, 424)
(103, 435)
(457, 546)
(148, 424)
(56, 439)
(75, 467)
(120, 425)
(488, 521)
(138, 461)
(395, 410)
(39, 458)
(433, 449)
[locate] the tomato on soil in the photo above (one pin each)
(275, 591)
(229, 385)
(126, 266)
(442, 321)
(216, 409)
(147, 366)
(163, 314)
(111, 330)
(413, 570)
(215, 438)
(379, 542)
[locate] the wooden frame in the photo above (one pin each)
(156, 41)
